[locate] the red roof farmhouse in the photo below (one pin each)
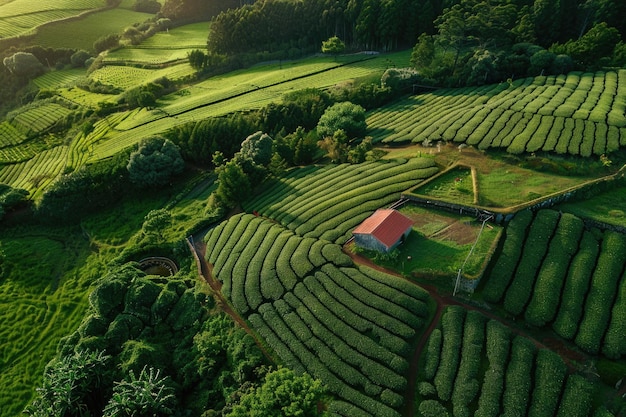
(383, 230)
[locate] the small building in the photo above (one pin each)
(382, 231)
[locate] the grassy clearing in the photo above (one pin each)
(608, 207)
(453, 185)
(501, 183)
(440, 243)
(82, 33)
(20, 17)
(45, 277)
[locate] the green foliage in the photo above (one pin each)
(155, 222)
(23, 64)
(333, 46)
(155, 161)
(84, 191)
(258, 148)
(72, 384)
(344, 116)
(282, 393)
(233, 184)
(197, 59)
(146, 394)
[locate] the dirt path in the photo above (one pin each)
(443, 300)
(205, 270)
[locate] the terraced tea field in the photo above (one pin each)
(576, 114)
(20, 17)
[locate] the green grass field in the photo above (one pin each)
(164, 47)
(82, 33)
(45, 277)
(440, 243)
(20, 17)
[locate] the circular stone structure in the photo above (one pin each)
(156, 265)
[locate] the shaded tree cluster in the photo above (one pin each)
(481, 42)
(148, 346)
(304, 25)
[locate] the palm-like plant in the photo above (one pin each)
(146, 395)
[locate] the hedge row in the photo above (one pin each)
(535, 247)
(576, 287)
(329, 202)
(367, 304)
(359, 349)
(504, 268)
(277, 333)
(518, 380)
(498, 345)
(364, 320)
(432, 355)
(550, 373)
(564, 244)
(466, 384)
(615, 338)
(452, 329)
(577, 397)
(602, 292)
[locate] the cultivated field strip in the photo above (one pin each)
(36, 173)
(554, 273)
(21, 16)
(330, 201)
(475, 366)
(579, 114)
(125, 77)
(39, 118)
(9, 135)
(354, 329)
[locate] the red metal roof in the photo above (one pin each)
(386, 225)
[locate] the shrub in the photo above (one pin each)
(504, 268)
(452, 324)
(550, 373)
(602, 293)
(518, 378)
(564, 244)
(576, 286)
(535, 247)
(432, 408)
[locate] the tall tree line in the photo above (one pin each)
(271, 25)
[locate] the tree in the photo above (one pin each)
(106, 42)
(233, 185)
(146, 395)
(258, 148)
(333, 46)
(79, 58)
(336, 146)
(23, 64)
(346, 116)
(155, 222)
(197, 59)
(154, 162)
(423, 52)
(282, 394)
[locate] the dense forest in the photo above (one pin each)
(482, 41)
